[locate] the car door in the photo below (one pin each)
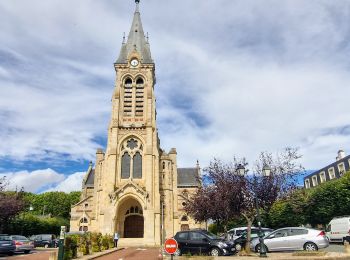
(182, 241)
(278, 240)
(297, 238)
(198, 243)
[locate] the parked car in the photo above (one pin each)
(293, 238)
(45, 240)
(22, 243)
(338, 229)
(7, 245)
(235, 233)
(240, 242)
(202, 242)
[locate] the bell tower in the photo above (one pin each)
(130, 178)
(135, 188)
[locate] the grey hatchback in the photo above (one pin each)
(293, 238)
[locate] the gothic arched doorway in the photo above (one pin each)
(130, 219)
(133, 226)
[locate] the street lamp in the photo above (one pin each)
(240, 170)
(266, 172)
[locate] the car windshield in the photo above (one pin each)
(211, 235)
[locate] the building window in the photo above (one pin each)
(307, 183)
(137, 166)
(323, 177)
(131, 160)
(341, 168)
(125, 166)
(314, 180)
(331, 173)
(184, 218)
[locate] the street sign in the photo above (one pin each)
(170, 246)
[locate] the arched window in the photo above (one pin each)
(139, 98)
(163, 165)
(184, 218)
(125, 166)
(84, 220)
(128, 97)
(132, 210)
(131, 159)
(137, 166)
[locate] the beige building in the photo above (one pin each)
(135, 186)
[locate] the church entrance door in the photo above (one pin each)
(133, 226)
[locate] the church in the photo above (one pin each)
(135, 188)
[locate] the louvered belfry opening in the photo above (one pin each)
(139, 102)
(127, 109)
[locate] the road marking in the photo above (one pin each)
(141, 249)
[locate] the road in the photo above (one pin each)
(127, 254)
(133, 254)
(33, 255)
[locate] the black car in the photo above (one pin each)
(202, 242)
(240, 242)
(7, 245)
(44, 240)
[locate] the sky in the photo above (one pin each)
(234, 78)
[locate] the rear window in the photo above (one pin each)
(182, 235)
(239, 232)
(5, 238)
(46, 237)
(297, 232)
(19, 238)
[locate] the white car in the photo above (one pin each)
(293, 238)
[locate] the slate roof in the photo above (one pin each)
(90, 178)
(188, 177)
(345, 160)
(136, 41)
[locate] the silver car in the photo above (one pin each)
(22, 243)
(293, 238)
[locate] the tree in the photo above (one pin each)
(231, 195)
(11, 204)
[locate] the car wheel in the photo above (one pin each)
(215, 251)
(309, 246)
(238, 247)
(257, 248)
(10, 253)
(26, 251)
(177, 252)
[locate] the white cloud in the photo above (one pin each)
(71, 183)
(32, 181)
(43, 181)
(238, 77)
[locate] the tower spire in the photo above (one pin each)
(136, 41)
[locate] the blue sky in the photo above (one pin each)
(233, 78)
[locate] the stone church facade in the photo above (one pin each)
(135, 188)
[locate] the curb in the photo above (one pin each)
(99, 254)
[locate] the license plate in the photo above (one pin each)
(232, 249)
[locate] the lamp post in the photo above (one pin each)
(266, 172)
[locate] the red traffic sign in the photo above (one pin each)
(170, 246)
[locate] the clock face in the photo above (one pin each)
(134, 62)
